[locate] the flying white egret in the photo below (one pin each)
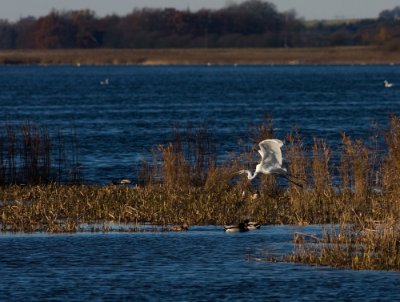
(271, 161)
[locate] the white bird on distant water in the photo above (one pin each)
(271, 160)
(387, 84)
(105, 82)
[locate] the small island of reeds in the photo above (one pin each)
(357, 197)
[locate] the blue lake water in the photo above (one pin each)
(203, 264)
(117, 125)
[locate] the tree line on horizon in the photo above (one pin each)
(253, 23)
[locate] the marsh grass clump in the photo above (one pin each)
(29, 155)
(367, 209)
(182, 162)
(368, 248)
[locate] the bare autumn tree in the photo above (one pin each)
(390, 14)
(23, 30)
(7, 35)
(111, 35)
(253, 17)
(53, 31)
(85, 28)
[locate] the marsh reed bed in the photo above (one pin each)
(359, 194)
(30, 155)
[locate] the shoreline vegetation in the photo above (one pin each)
(217, 56)
(357, 197)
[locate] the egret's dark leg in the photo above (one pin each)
(288, 177)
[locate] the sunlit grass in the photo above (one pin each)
(333, 55)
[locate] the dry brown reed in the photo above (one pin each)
(367, 248)
(366, 209)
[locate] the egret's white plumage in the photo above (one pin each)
(271, 159)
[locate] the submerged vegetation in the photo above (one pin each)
(359, 193)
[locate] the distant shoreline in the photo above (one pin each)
(267, 56)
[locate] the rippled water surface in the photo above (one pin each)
(203, 264)
(118, 124)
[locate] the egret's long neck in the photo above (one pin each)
(250, 177)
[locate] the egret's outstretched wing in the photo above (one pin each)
(271, 154)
